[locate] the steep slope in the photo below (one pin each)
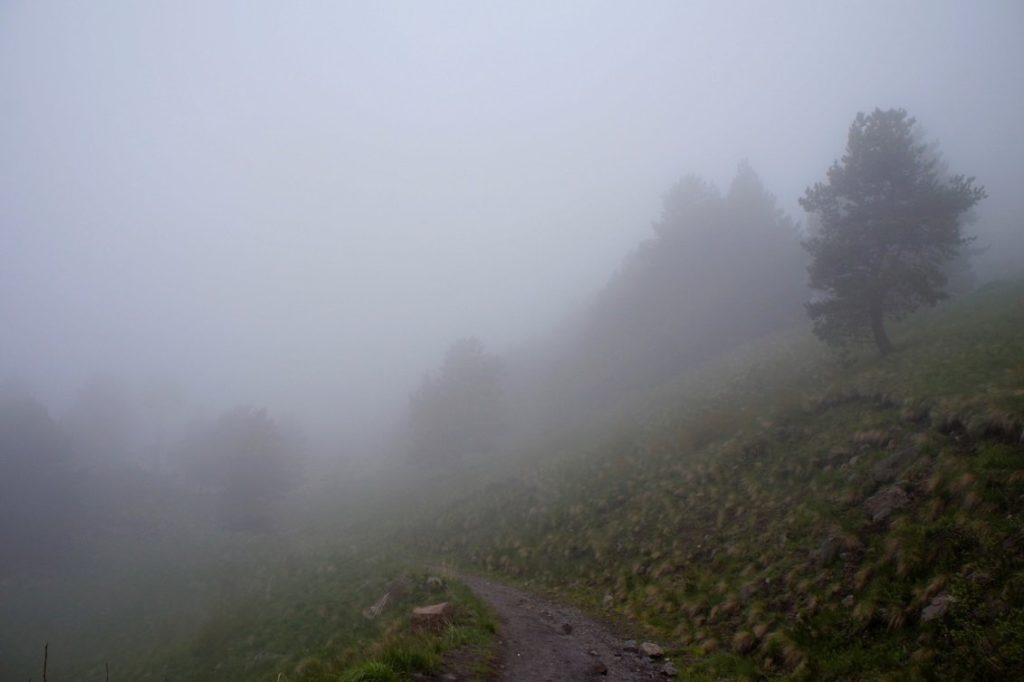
(791, 514)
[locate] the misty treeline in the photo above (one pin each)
(720, 268)
(884, 234)
(123, 464)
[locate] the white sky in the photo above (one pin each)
(301, 205)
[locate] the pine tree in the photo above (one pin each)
(890, 221)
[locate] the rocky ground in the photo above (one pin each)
(542, 641)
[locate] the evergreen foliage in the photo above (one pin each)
(890, 221)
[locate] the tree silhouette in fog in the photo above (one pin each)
(457, 415)
(246, 462)
(720, 269)
(38, 501)
(890, 224)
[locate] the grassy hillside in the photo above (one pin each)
(780, 513)
(794, 514)
(211, 605)
(315, 629)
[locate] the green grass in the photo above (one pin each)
(315, 631)
(723, 513)
(733, 523)
(370, 671)
(212, 606)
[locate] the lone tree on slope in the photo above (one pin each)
(890, 221)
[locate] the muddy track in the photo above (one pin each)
(540, 641)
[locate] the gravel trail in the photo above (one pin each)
(540, 641)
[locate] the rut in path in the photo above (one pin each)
(540, 641)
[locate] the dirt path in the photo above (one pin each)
(540, 641)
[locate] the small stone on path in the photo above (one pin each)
(651, 650)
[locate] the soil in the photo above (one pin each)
(541, 641)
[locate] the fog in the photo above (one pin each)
(279, 280)
(301, 207)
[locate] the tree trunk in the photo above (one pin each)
(878, 330)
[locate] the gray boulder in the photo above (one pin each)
(937, 608)
(882, 504)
